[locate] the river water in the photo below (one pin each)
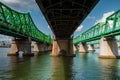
(82, 67)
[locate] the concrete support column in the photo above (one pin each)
(14, 48)
(38, 48)
(63, 47)
(41, 47)
(20, 45)
(108, 48)
(77, 47)
(83, 47)
(74, 47)
(48, 47)
(91, 47)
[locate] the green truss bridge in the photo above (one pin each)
(98, 42)
(105, 32)
(109, 28)
(22, 27)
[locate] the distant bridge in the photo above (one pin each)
(109, 28)
(20, 25)
(106, 32)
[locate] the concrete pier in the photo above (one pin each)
(83, 48)
(74, 47)
(38, 47)
(63, 47)
(48, 47)
(91, 48)
(41, 47)
(20, 45)
(108, 48)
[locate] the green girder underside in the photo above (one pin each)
(94, 42)
(21, 25)
(109, 28)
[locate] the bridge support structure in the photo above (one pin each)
(83, 47)
(48, 47)
(91, 48)
(38, 47)
(108, 48)
(20, 45)
(63, 47)
(41, 47)
(74, 48)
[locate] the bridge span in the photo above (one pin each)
(64, 16)
(22, 28)
(105, 32)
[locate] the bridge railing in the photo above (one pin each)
(104, 29)
(21, 25)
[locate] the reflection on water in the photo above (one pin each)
(62, 68)
(19, 68)
(110, 68)
(82, 67)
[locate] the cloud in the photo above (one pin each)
(21, 5)
(105, 15)
(91, 17)
(48, 26)
(111, 24)
(10, 1)
(79, 28)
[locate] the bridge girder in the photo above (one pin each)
(64, 16)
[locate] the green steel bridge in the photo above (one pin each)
(109, 28)
(98, 42)
(94, 42)
(20, 25)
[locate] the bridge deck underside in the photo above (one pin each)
(64, 16)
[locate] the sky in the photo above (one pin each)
(103, 9)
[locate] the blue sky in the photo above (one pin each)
(103, 9)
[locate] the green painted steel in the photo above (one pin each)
(20, 25)
(94, 42)
(110, 28)
(98, 41)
